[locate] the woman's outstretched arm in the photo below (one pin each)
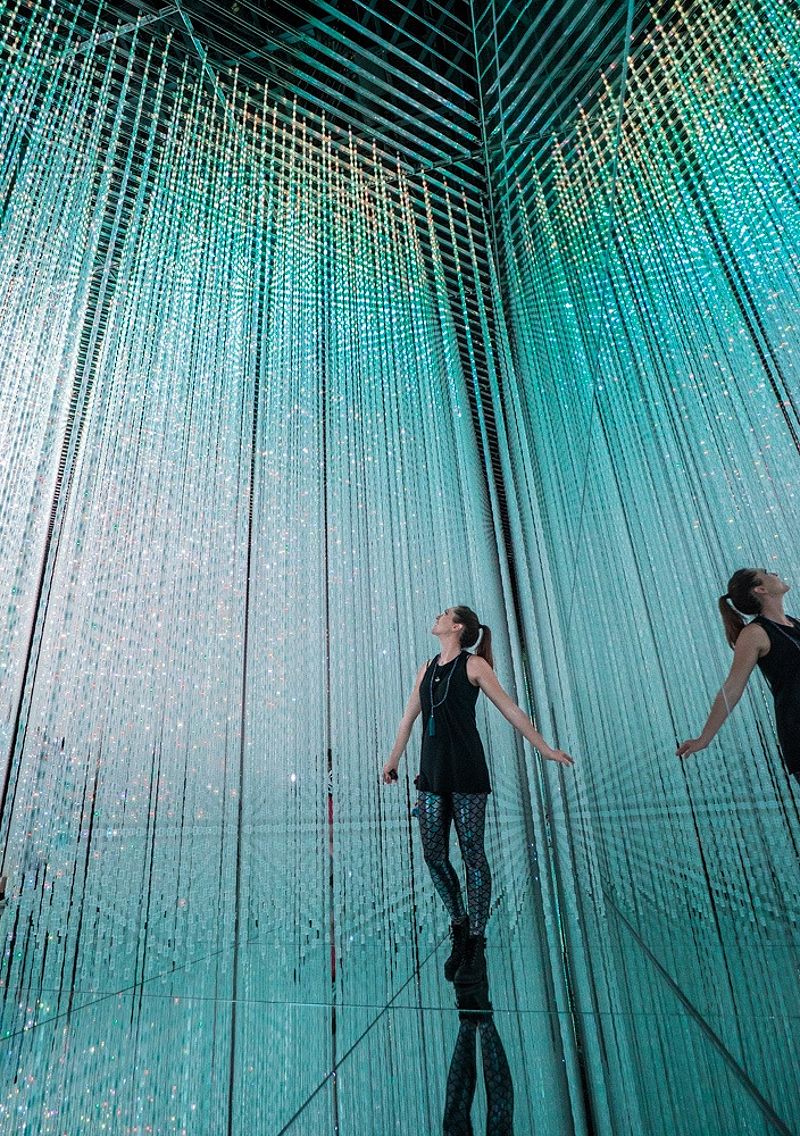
(480, 672)
(410, 715)
(752, 643)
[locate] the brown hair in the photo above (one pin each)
(472, 633)
(740, 595)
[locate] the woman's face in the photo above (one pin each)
(770, 583)
(444, 623)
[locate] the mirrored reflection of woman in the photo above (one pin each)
(476, 1018)
(453, 780)
(769, 641)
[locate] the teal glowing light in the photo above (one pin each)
(268, 404)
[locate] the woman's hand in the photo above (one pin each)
(559, 755)
(690, 746)
(390, 771)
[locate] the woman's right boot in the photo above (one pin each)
(459, 933)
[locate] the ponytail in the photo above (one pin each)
(739, 598)
(484, 648)
(475, 635)
(732, 622)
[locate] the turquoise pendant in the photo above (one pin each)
(431, 727)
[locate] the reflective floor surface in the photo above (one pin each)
(126, 1027)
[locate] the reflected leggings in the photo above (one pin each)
(468, 811)
(463, 1076)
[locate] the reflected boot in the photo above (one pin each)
(473, 965)
(473, 1003)
(459, 933)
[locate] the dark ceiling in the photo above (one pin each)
(402, 74)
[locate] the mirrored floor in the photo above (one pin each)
(179, 1052)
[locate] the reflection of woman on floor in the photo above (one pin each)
(770, 641)
(476, 1018)
(453, 780)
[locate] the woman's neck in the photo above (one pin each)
(449, 648)
(772, 608)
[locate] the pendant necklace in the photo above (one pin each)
(434, 679)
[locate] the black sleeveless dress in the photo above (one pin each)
(781, 668)
(452, 758)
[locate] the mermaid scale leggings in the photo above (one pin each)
(467, 811)
(463, 1076)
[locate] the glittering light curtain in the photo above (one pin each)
(651, 388)
(240, 476)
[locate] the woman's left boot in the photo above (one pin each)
(473, 965)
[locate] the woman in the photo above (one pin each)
(453, 780)
(770, 641)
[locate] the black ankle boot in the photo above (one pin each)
(459, 933)
(473, 965)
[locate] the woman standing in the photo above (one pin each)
(453, 780)
(770, 641)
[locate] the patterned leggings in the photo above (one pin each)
(468, 811)
(463, 1076)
